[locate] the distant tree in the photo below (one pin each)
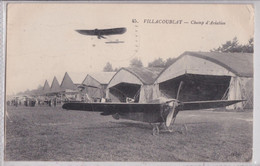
(26, 92)
(108, 67)
(169, 61)
(20, 93)
(40, 87)
(234, 46)
(249, 47)
(116, 69)
(136, 63)
(157, 63)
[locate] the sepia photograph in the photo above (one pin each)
(129, 82)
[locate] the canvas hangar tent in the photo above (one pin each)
(96, 83)
(132, 82)
(69, 89)
(55, 87)
(46, 88)
(67, 83)
(209, 76)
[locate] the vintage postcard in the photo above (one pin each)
(129, 82)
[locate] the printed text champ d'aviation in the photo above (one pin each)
(170, 21)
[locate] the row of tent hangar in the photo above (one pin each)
(205, 76)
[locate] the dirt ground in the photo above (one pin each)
(54, 134)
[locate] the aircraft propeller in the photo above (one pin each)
(173, 112)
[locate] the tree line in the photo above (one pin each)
(159, 62)
(231, 46)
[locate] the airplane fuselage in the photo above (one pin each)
(148, 116)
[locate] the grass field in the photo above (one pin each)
(44, 133)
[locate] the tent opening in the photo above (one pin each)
(123, 90)
(95, 92)
(196, 87)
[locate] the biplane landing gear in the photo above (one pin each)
(171, 126)
(156, 129)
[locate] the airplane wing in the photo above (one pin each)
(101, 32)
(86, 32)
(197, 105)
(113, 31)
(112, 108)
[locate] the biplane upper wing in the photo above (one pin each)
(197, 105)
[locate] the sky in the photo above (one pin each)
(42, 41)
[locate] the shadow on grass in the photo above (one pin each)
(120, 125)
(197, 123)
(147, 126)
(176, 128)
(134, 125)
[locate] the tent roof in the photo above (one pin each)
(55, 87)
(46, 88)
(77, 77)
(101, 77)
(147, 75)
(67, 83)
(241, 64)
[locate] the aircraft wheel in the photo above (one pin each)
(155, 130)
(116, 116)
(170, 130)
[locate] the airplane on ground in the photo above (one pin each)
(100, 33)
(156, 112)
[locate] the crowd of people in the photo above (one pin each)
(32, 102)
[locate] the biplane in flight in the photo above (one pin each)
(101, 33)
(155, 112)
